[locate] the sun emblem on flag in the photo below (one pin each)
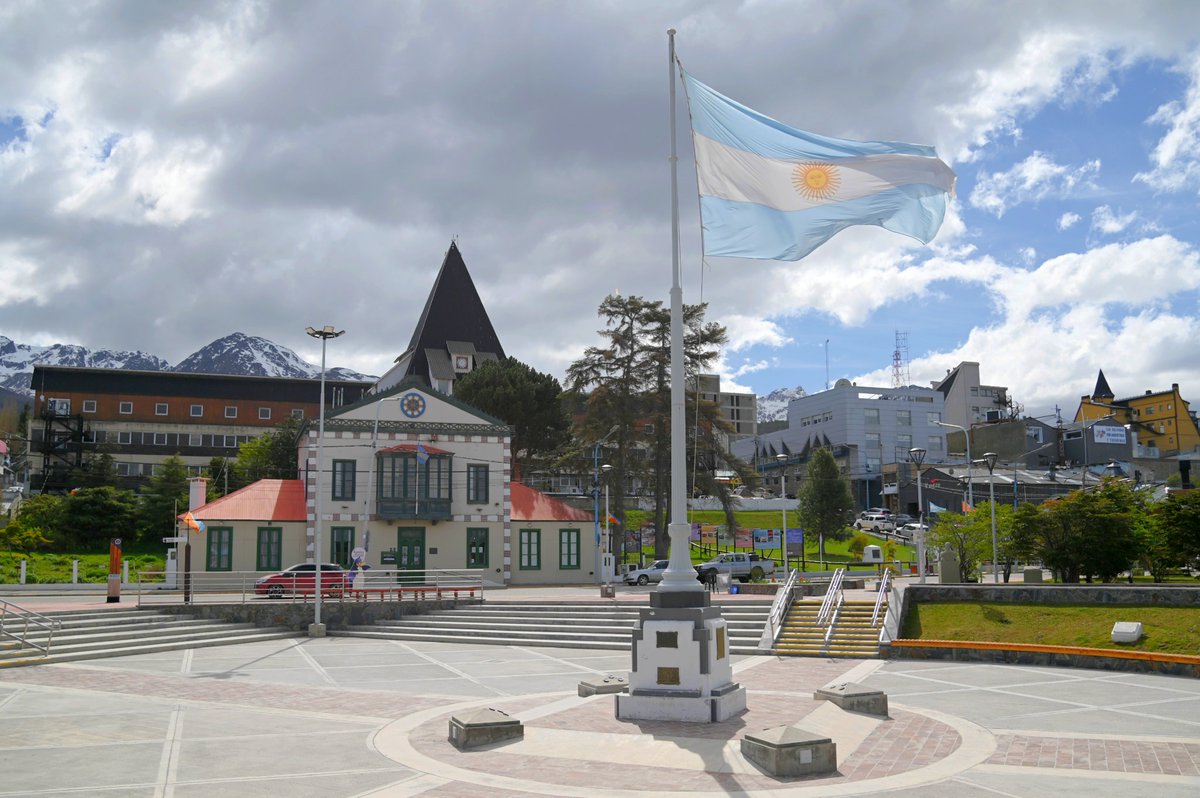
(815, 180)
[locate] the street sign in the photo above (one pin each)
(180, 539)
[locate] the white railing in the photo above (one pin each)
(884, 585)
(14, 615)
(337, 586)
(831, 606)
(783, 601)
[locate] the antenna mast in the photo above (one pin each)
(900, 375)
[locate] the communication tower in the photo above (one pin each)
(900, 376)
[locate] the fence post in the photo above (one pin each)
(124, 571)
(74, 572)
(23, 572)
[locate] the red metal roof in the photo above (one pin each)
(265, 500)
(412, 448)
(533, 505)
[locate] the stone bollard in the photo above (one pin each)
(74, 572)
(483, 727)
(790, 751)
(23, 563)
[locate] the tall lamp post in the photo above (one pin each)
(990, 460)
(318, 629)
(782, 459)
(596, 493)
(917, 455)
(608, 546)
(966, 436)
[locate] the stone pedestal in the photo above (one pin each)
(316, 630)
(681, 666)
(853, 697)
(1032, 576)
(1126, 631)
(790, 751)
(482, 727)
(602, 686)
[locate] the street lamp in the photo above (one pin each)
(596, 492)
(1084, 428)
(990, 460)
(318, 629)
(782, 459)
(967, 436)
(608, 547)
(917, 455)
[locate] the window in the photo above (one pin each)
(58, 407)
(160, 408)
(220, 548)
(529, 549)
(871, 415)
(264, 414)
(230, 440)
(343, 480)
(477, 483)
(230, 411)
(89, 405)
(270, 544)
(125, 408)
(297, 412)
(933, 418)
(195, 440)
(873, 440)
(904, 418)
(401, 476)
(125, 438)
(904, 442)
(341, 543)
(568, 549)
(197, 411)
(123, 469)
(160, 439)
(935, 443)
(477, 548)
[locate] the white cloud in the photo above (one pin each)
(1032, 179)
(745, 331)
(1108, 223)
(1176, 158)
(1068, 220)
(1028, 254)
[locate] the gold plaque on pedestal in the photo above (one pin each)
(668, 676)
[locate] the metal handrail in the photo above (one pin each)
(783, 600)
(242, 586)
(884, 584)
(832, 595)
(26, 617)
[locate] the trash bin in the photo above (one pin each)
(723, 583)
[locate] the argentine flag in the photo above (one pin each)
(770, 191)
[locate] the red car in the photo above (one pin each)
(299, 579)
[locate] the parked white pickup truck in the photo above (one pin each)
(739, 566)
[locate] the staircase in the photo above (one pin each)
(563, 624)
(853, 635)
(84, 634)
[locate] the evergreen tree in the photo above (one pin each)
(826, 502)
(92, 516)
(271, 455)
(164, 499)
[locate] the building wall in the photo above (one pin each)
(967, 400)
(1162, 420)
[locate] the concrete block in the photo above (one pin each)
(853, 697)
(602, 686)
(1126, 632)
(1032, 576)
(483, 727)
(790, 751)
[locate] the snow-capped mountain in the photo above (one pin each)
(235, 354)
(773, 406)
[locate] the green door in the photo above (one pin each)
(410, 555)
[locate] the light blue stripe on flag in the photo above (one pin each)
(422, 455)
(771, 191)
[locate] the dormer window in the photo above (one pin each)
(462, 362)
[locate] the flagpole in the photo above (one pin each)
(680, 575)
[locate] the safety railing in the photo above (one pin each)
(779, 608)
(336, 586)
(831, 605)
(884, 585)
(13, 616)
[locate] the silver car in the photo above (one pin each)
(651, 573)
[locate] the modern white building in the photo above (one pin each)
(967, 401)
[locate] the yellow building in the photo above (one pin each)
(1162, 420)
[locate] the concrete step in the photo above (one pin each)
(56, 655)
(160, 625)
(608, 642)
(110, 641)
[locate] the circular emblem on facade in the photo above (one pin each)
(412, 404)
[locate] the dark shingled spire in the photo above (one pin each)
(1102, 391)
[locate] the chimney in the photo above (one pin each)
(197, 492)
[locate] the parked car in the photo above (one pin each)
(300, 578)
(901, 519)
(909, 531)
(651, 573)
(739, 566)
(875, 522)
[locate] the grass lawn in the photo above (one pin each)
(42, 568)
(1168, 630)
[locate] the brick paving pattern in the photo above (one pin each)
(1081, 753)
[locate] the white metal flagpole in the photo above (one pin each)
(680, 575)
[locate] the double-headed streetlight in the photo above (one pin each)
(318, 629)
(989, 460)
(782, 460)
(967, 436)
(917, 455)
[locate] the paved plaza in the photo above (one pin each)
(337, 717)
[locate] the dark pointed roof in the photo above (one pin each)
(453, 312)
(1102, 391)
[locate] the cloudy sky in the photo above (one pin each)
(173, 172)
